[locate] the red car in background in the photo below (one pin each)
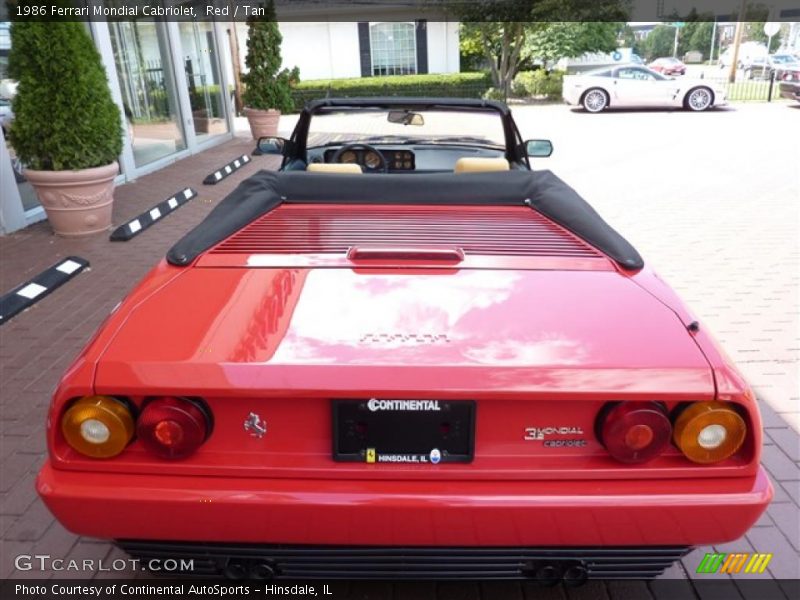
(405, 355)
(668, 66)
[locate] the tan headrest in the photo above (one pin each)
(477, 165)
(350, 168)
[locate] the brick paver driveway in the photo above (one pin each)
(710, 199)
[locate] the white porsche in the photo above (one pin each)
(637, 86)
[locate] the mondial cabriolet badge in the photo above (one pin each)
(255, 426)
(539, 434)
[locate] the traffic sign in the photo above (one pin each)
(771, 29)
(680, 24)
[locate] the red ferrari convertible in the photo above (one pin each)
(405, 355)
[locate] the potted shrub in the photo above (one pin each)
(267, 90)
(67, 130)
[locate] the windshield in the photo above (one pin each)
(372, 126)
(784, 58)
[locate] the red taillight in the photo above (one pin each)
(172, 427)
(634, 432)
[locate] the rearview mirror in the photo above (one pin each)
(271, 145)
(405, 117)
(539, 148)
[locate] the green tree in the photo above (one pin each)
(553, 41)
(500, 29)
(696, 32)
(700, 37)
(65, 118)
(628, 39)
(266, 85)
(659, 42)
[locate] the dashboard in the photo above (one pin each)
(396, 160)
(410, 159)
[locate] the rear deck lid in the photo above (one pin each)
(335, 331)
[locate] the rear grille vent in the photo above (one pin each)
(320, 229)
(365, 562)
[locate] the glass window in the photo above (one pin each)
(374, 126)
(637, 74)
(149, 93)
(394, 48)
(206, 93)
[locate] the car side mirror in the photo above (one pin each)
(271, 145)
(539, 148)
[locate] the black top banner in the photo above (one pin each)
(402, 10)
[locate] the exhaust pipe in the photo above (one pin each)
(262, 570)
(548, 575)
(575, 575)
(235, 570)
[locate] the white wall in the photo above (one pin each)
(329, 50)
(443, 54)
(321, 50)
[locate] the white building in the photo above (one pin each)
(337, 49)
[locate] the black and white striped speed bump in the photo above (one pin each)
(223, 172)
(30, 292)
(135, 226)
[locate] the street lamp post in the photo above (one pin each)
(677, 25)
(713, 39)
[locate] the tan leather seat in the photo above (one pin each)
(350, 168)
(480, 164)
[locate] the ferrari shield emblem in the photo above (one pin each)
(370, 455)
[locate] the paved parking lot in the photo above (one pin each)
(712, 200)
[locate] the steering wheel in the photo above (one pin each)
(383, 166)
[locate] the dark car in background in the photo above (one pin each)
(790, 83)
(763, 67)
(668, 65)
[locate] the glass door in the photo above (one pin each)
(203, 79)
(149, 93)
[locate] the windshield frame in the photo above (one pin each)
(513, 150)
(401, 140)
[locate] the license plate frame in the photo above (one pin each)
(403, 431)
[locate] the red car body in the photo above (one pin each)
(534, 325)
(668, 66)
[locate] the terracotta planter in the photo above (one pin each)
(263, 123)
(77, 202)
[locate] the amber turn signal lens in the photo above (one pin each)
(708, 432)
(98, 426)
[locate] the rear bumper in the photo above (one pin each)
(405, 513)
(393, 563)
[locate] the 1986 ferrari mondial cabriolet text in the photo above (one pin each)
(405, 355)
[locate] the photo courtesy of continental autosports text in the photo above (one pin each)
(177, 590)
(397, 299)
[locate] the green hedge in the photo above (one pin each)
(538, 84)
(451, 85)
